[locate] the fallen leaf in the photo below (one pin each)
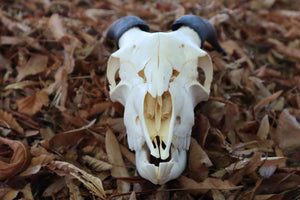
(132, 196)
(7, 120)
(98, 108)
(18, 161)
(55, 186)
(217, 195)
(268, 197)
(128, 154)
(207, 184)
(270, 164)
(286, 50)
(96, 164)
(264, 128)
(37, 163)
(265, 101)
(33, 104)
(288, 132)
(36, 64)
(198, 162)
(115, 158)
(231, 46)
(74, 190)
(93, 183)
(56, 27)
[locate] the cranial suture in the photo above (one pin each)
(155, 77)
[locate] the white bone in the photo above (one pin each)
(159, 90)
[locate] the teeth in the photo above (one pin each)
(165, 171)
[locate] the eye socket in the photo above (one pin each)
(142, 75)
(175, 73)
(117, 77)
(201, 76)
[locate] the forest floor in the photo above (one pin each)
(62, 138)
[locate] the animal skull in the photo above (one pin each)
(158, 87)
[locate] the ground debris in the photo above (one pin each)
(62, 138)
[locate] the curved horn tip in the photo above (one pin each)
(119, 27)
(205, 30)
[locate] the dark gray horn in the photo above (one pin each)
(205, 30)
(116, 29)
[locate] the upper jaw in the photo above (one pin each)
(165, 171)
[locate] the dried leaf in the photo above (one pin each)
(73, 190)
(265, 101)
(268, 197)
(18, 161)
(115, 158)
(264, 128)
(7, 119)
(21, 85)
(251, 166)
(231, 46)
(270, 164)
(66, 139)
(56, 27)
(96, 164)
(92, 183)
(198, 162)
(132, 196)
(37, 163)
(288, 131)
(128, 154)
(55, 187)
(36, 64)
(288, 51)
(207, 184)
(98, 108)
(33, 104)
(217, 195)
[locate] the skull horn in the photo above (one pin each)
(122, 25)
(205, 30)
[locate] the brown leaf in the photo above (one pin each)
(66, 140)
(96, 164)
(264, 128)
(198, 162)
(128, 154)
(36, 64)
(58, 184)
(265, 101)
(7, 119)
(270, 164)
(288, 132)
(37, 163)
(115, 158)
(288, 51)
(207, 184)
(94, 184)
(18, 161)
(132, 196)
(251, 166)
(98, 108)
(268, 197)
(33, 104)
(231, 46)
(56, 27)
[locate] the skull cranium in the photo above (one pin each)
(159, 89)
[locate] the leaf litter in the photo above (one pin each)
(62, 137)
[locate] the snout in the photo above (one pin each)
(163, 171)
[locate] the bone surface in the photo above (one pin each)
(155, 77)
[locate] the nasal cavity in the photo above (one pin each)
(157, 116)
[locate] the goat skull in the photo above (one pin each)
(159, 89)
